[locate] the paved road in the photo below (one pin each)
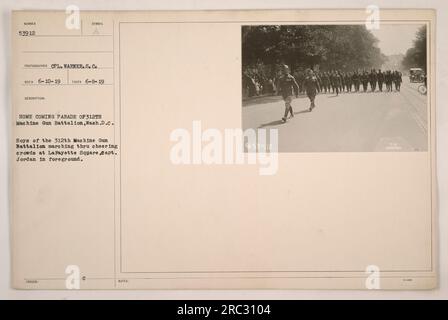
(376, 121)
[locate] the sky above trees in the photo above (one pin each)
(396, 38)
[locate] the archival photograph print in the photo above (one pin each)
(337, 88)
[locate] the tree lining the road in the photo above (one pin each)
(341, 47)
(415, 57)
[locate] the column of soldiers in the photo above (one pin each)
(336, 81)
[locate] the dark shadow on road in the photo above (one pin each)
(273, 123)
(279, 122)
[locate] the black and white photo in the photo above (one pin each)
(340, 88)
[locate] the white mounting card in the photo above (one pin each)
(286, 149)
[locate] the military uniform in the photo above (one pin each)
(373, 80)
(397, 80)
(311, 86)
(365, 81)
(288, 87)
(319, 81)
(335, 82)
(348, 82)
(380, 77)
(341, 82)
(388, 80)
(356, 81)
(325, 82)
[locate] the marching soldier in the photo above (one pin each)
(325, 82)
(380, 77)
(397, 80)
(333, 81)
(364, 80)
(356, 80)
(288, 87)
(344, 82)
(311, 86)
(348, 82)
(319, 80)
(341, 81)
(373, 79)
(388, 80)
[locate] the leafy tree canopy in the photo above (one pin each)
(416, 56)
(343, 47)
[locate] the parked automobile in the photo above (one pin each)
(416, 75)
